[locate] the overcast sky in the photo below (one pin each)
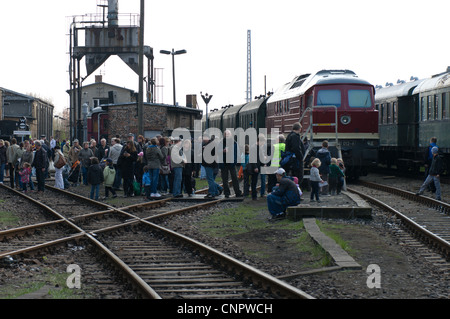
(382, 41)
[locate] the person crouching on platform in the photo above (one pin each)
(283, 196)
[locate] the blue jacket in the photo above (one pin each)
(146, 179)
(325, 158)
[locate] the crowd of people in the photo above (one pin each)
(161, 165)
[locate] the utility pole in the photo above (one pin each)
(141, 72)
(249, 66)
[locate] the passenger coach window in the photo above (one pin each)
(423, 108)
(329, 97)
(359, 98)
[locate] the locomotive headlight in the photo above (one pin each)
(345, 119)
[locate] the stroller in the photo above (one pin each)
(74, 174)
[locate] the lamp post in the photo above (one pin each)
(173, 53)
(206, 98)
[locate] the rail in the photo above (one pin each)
(427, 236)
(259, 278)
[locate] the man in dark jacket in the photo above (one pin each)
(295, 145)
(286, 194)
(209, 162)
(229, 148)
(40, 163)
(436, 169)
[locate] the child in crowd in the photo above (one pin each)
(146, 182)
(341, 165)
(335, 178)
(109, 175)
(315, 179)
(25, 176)
(296, 183)
(94, 177)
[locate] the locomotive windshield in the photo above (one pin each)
(329, 97)
(359, 98)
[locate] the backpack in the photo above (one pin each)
(61, 161)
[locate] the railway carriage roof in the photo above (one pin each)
(214, 114)
(232, 111)
(394, 91)
(300, 84)
(436, 82)
(251, 106)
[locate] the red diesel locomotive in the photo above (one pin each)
(333, 105)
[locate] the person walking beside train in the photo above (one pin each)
(436, 169)
(428, 159)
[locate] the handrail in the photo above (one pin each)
(311, 125)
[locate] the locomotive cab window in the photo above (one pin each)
(359, 98)
(329, 97)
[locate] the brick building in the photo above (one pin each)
(114, 110)
(158, 119)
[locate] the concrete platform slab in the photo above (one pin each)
(346, 205)
(339, 255)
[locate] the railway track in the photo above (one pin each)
(158, 262)
(428, 220)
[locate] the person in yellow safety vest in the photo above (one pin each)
(275, 162)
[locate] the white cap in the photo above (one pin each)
(280, 171)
